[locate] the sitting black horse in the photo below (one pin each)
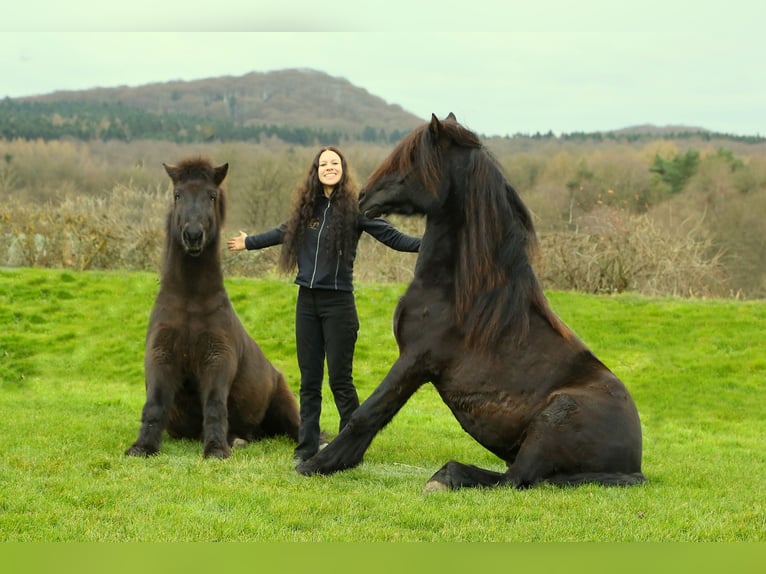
(206, 378)
(476, 324)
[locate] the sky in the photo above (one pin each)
(558, 65)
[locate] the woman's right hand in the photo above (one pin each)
(237, 243)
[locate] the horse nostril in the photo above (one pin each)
(193, 237)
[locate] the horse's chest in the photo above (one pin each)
(422, 321)
(188, 348)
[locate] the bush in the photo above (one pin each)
(612, 252)
(123, 231)
(102, 205)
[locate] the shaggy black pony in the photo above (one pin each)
(475, 323)
(206, 378)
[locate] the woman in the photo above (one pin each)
(320, 240)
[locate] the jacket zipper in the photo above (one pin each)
(337, 268)
(319, 240)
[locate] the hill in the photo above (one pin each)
(297, 106)
(296, 98)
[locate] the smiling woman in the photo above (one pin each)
(320, 240)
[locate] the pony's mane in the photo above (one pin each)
(495, 283)
(194, 168)
(495, 286)
(416, 152)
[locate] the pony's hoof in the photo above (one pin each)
(238, 443)
(435, 486)
(217, 452)
(136, 450)
(303, 467)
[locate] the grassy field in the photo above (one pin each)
(71, 392)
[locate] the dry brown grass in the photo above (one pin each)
(613, 252)
(102, 205)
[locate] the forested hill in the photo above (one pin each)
(297, 106)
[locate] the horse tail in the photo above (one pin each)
(603, 478)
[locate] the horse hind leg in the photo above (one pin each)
(603, 478)
(454, 475)
(574, 441)
(526, 471)
(570, 442)
(282, 415)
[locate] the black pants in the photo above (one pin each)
(326, 327)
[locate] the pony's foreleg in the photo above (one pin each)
(154, 416)
(348, 448)
(215, 420)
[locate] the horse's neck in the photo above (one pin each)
(436, 259)
(193, 276)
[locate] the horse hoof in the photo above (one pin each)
(238, 443)
(435, 486)
(218, 453)
(303, 467)
(136, 450)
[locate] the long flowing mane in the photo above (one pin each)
(495, 286)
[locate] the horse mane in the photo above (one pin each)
(192, 168)
(495, 283)
(495, 286)
(416, 152)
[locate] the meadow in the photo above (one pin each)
(71, 392)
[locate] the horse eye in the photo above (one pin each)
(176, 196)
(212, 197)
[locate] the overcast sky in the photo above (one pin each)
(559, 65)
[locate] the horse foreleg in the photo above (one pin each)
(154, 417)
(215, 421)
(348, 448)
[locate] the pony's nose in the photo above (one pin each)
(193, 237)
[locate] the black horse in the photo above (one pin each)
(206, 378)
(476, 324)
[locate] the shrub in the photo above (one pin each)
(612, 252)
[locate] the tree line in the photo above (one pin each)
(116, 121)
(658, 217)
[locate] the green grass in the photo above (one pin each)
(71, 392)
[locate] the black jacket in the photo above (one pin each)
(318, 267)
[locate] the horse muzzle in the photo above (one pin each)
(366, 209)
(193, 240)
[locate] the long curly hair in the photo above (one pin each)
(342, 229)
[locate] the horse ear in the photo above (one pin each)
(220, 173)
(451, 116)
(172, 171)
(435, 127)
